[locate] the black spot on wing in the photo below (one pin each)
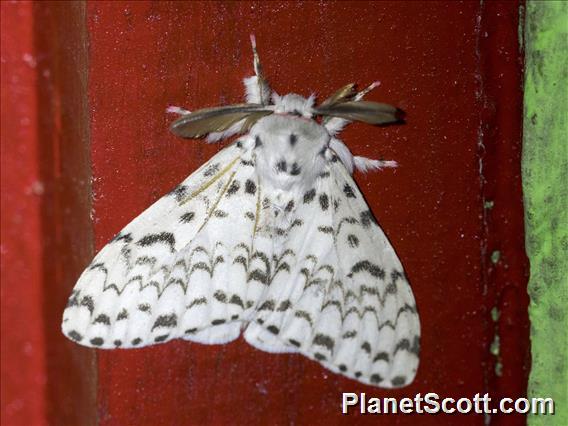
(145, 307)
(281, 166)
(367, 218)
(161, 338)
(320, 357)
(211, 170)
(290, 206)
(187, 217)
(250, 187)
(324, 201)
(325, 341)
(398, 381)
(136, 341)
(353, 240)
(348, 191)
(74, 335)
(220, 296)
(273, 329)
(233, 188)
(163, 237)
(284, 305)
(376, 378)
(294, 343)
(73, 299)
(97, 341)
(179, 192)
(267, 306)
(402, 345)
(127, 238)
(305, 315)
(370, 267)
(415, 348)
(89, 303)
(258, 275)
(236, 300)
(102, 319)
(325, 229)
(309, 196)
(396, 275)
(296, 169)
(257, 142)
(381, 356)
(122, 315)
(169, 321)
(366, 347)
(197, 302)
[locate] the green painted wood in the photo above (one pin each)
(545, 177)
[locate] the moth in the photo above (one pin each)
(270, 238)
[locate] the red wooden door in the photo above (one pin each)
(453, 208)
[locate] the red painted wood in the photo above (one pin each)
(454, 67)
(436, 62)
(500, 155)
(46, 227)
(23, 364)
(67, 238)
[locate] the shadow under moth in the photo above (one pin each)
(271, 237)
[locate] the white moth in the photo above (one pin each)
(271, 237)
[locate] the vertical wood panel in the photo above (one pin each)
(46, 228)
(23, 364)
(435, 61)
(60, 38)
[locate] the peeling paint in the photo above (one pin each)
(545, 173)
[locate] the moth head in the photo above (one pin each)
(293, 104)
(218, 123)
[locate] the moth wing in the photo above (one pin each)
(166, 275)
(343, 298)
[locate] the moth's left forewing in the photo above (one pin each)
(343, 298)
(390, 350)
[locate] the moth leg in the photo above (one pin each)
(177, 110)
(364, 164)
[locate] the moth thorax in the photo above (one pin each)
(288, 151)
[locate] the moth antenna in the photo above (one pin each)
(363, 92)
(256, 59)
(263, 95)
(334, 124)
